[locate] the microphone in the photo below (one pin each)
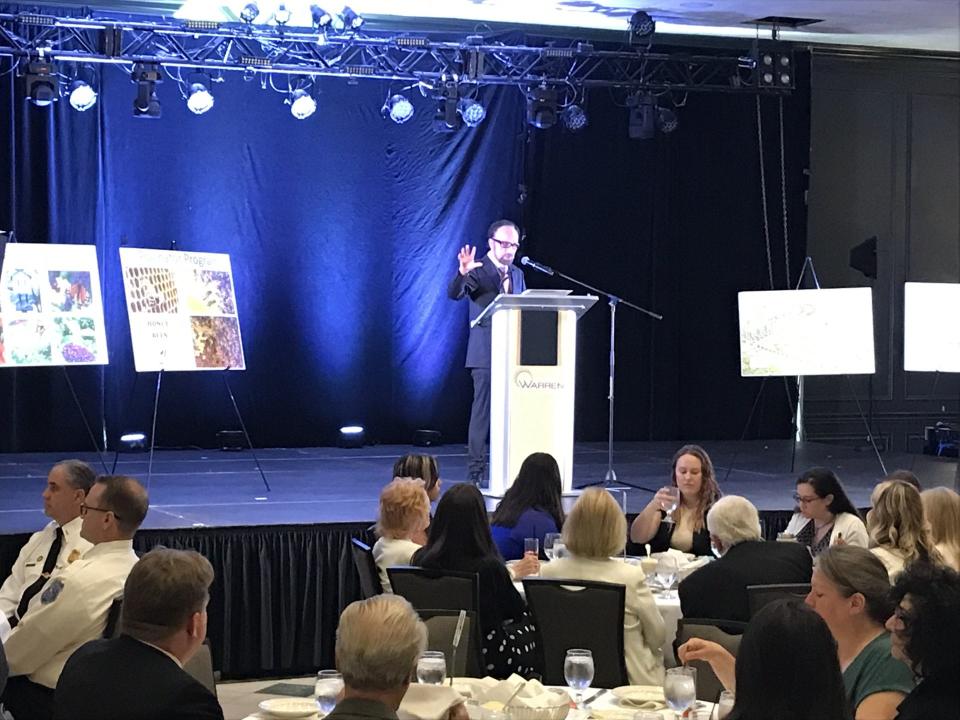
(535, 265)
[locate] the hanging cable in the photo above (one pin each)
(783, 197)
(763, 194)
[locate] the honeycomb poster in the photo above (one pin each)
(51, 308)
(182, 309)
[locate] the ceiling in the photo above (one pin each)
(929, 25)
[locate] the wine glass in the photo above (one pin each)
(725, 705)
(671, 503)
(327, 690)
(432, 668)
(531, 546)
(559, 549)
(549, 540)
(578, 671)
(680, 689)
(667, 571)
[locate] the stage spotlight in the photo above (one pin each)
(302, 104)
(146, 76)
(471, 111)
(133, 440)
(398, 108)
(41, 83)
(641, 124)
(542, 107)
(282, 15)
(352, 436)
(574, 118)
(249, 12)
(642, 27)
(447, 117)
(351, 21)
(427, 438)
(775, 70)
(666, 120)
(321, 18)
(784, 71)
(82, 96)
(200, 99)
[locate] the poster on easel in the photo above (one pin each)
(51, 306)
(931, 329)
(806, 332)
(182, 309)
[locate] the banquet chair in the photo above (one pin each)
(366, 568)
(761, 595)
(726, 633)
(466, 660)
(112, 628)
(200, 667)
(579, 614)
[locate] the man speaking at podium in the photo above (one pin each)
(481, 281)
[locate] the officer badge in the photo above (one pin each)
(52, 591)
(74, 555)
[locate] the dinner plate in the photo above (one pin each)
(289, 707)
(636, 694)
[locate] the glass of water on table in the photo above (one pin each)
(680, 689)
(327, 690)
(549, 542)
(432, 668)
(578, 672)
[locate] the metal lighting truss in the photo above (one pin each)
(214, 47)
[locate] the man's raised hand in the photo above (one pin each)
(466, 257)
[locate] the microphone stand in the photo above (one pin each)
(612, 300)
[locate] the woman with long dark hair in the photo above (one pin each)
(460, 540)
(531, 507)
(825, 516)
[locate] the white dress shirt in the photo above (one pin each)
(388, 552)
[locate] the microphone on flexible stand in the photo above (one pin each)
(536, 266)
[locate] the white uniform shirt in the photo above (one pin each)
(388, 552)
(30, 561)
(71, 610)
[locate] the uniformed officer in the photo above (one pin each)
(50, 550)
(74, 604)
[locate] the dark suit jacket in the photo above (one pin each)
(719, 589)
(482, 285)
(359, 709)
(123, 679)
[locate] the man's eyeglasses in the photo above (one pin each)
(804, 500)
(506, 244)
(84, 508)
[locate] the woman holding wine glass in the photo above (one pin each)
(676, 516)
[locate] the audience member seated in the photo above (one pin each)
(926, 635)
(825, 515)
(787, 667)
(460, 540)
(73, 606)
(692, 473)
(4, 670)
(139, 675)
(596, 530)
(851, 592)
(531, 508)
(905, 476)
(401, 525)
(378, 643)
(719, 589)
(50, 550)
(897, 528)
(420, 467)
(941, 509)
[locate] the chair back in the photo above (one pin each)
(579, 614)
(726, 633)
(466, 659)
(760, 595)
(366, 568)
(430, 588)
(112, 628)
(200, 667)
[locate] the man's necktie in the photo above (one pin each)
(48, 564)
(505, 280)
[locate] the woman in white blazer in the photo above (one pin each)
(825, 514)
(594, 531)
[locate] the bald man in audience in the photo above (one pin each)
(719, 589)
(139, 675)
(73, 606)
(50, 550)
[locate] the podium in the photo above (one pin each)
(533, 361)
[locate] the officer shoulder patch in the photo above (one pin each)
(52, 591)
(74, 555)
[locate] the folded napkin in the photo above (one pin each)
(428, 702)
(494, 694)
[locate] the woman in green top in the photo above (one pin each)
(850, 590)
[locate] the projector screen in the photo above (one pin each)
(931, 327)
(51, 308)
(806, 332)
(182, 310)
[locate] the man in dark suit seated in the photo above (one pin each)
(139, 675)
(719, 589)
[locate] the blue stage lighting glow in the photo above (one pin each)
(399, 109)
(133, 437)
(471, 111)
(351, 429)
(200, 99)
(574, 117)
(82, 96)
(302, 105)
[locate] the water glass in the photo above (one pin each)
(667, 570)
(432, 668)
(674, 500)
(578, 671)
(725, 705)
(531, 546)
(327, 690)
(559, 549)
(549, 541)
(680, 689)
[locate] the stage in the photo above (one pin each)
(283, 565)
